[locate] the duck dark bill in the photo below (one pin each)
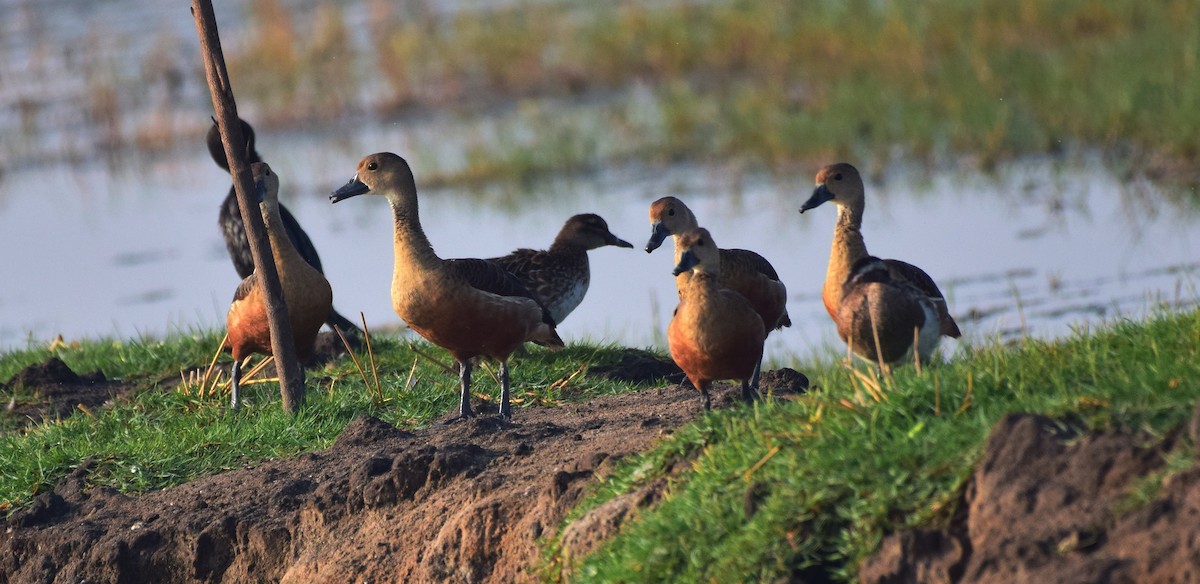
(353, 188)
(820, 195)
(658, 233)
(687, 261)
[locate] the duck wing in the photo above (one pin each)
(489, 276)
(916, 277)
(751, 260)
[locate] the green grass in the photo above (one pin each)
(837, 469)
(834, 469)
(166, 437)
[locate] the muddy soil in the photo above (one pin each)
(459, 502)
(468, 501)
(52, 391)
(1049, 504)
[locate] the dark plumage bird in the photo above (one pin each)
(470, 307)
(559, 276)
(305, 289)
(715, 333)
(842, 185)
(230, 220)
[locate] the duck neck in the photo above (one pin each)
(564, 246)
(282, 250)
(697, 286)
(848, 247)
(412, 247)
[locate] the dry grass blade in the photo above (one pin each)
(750, 471)
(967, 398)
(370, 355)
(489, 371)
(410, 382)
(431, 359)
(916, 350)
(353, 357)
(211, 365)
(563, 382)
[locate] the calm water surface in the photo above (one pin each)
(1036, 250)
(132, 248)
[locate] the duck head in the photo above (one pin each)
(216, 148)
(588, 231)
(266, 184)
(697, 252)
(382, 173)
(668, 216)
(839, 183)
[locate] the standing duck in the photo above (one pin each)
(881, 318)
(470, 307)
(230, 220)
(559, 276)
(742, 271)
(305, 289)
(841, 184)
(716, 333)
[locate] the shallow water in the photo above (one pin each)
(1035, 250)
(128, 247)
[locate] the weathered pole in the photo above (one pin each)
(291, 377)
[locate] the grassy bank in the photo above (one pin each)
(771, 83)
(164, 437)
(835, 469)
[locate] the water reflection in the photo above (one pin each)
(1034, 251)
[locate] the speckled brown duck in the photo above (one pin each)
(559, 276)
(234, 232)
(715, 333)
(842, 185)
(305, 290)
(470, 307)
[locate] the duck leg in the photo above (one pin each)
(464, 380)
(505, 409)
(754, 377)
(704, 398)
(235, 377)
(750, 391)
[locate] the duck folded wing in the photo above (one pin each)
(916, 277)
(244, 288)
(520, 261)
(489, 276)
(751, 260)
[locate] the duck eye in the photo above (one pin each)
(372, 166)
(671, 212)
(837, 176)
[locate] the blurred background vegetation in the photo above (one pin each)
(576, 85)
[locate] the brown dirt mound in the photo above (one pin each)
(1045, 505)
(55, 391)
(464, 502)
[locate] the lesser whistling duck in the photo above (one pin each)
(742, 271)
(230, 220)
(559, 276)
(880, 318)
(841, 184)
(716, 333)
(470, 307)
(305, 290)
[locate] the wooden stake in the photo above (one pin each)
(291, 378)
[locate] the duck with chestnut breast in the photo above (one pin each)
(842, 185)
(305, 290)
(470, 307)
(559, 276)
(715, 333)
(234, 232)
(742, 271)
